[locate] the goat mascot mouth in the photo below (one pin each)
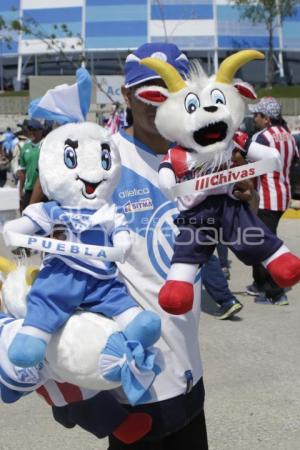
(210, 134)
(200, 113)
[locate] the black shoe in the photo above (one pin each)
(253, 289)
(229, 309)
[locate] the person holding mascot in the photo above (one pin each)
(176, 401)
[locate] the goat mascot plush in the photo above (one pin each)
(201, 115)
(79, 168)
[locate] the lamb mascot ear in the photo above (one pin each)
(109, 342)
(201, 115)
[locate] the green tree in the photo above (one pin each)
(270, 13)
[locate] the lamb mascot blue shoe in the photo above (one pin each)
(79, 168)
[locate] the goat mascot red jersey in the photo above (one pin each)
(201, 115)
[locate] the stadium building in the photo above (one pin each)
(105, 30)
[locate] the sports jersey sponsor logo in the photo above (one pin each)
(144, 204)
(160, 236)
(28, 375)
(76, 221)
(227, 176)
(134, 192)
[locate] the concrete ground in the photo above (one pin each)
(251, 374)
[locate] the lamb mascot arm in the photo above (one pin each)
(201, 115)
(79, 168)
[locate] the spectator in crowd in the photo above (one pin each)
(29, 158)
(22, 137)
(8, 138)
(4, 166)
(274, 189)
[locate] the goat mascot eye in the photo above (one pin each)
(70, 157)
(105, 157)
(218, 97)
(191, 103)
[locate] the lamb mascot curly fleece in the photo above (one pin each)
(79, 168)
(201, 115)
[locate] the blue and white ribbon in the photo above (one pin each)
(65, 103)
(130, 363)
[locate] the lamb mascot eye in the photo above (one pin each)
(201, 115)
(79, 168)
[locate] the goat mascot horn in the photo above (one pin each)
(225, 74)
(7, 266)
(234, 62)
(168, 73)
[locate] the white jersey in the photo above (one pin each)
(95, 227)
(150, 216)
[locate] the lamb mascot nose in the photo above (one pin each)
(79, 168)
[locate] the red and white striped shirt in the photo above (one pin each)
(274, 188)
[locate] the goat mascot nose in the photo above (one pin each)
(210, 108)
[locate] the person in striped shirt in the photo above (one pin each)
(274, 188)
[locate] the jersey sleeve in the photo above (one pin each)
(15, 378)
(177, 160)
(261, 139)
(166, 161)
(37, 214)
(22, 162)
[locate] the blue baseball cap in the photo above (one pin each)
(136, 73)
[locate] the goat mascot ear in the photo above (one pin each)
(245, 89)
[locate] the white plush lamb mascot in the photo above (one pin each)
(201, 115)
(79, 169)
